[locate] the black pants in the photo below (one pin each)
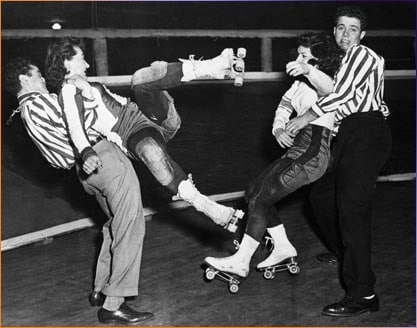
(342, 198)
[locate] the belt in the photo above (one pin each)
(373, 114)
(95, 142)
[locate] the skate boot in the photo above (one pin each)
(283, 255)
(225, 216)
(226, 65)
(232, 268)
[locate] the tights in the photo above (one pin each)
(305, 162)
(149, 144)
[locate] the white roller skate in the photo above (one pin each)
(233, 268)
(283, 255)
(225, 216)
(226, 65)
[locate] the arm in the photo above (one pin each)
(320, 81)
(356, 67)
(43, 126)
(76, 130)
(284, 109)
(72, 115)
(282, 116)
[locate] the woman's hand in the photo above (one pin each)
(91, 163)
(284, 138)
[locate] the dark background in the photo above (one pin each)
(225, 139)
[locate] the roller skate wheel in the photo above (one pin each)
(241, 52)
(294, 269)
(210, 274)
(239, 213)
(233, 288)
(239, 66)
(268, 275)
(232, 227)
(238, 81)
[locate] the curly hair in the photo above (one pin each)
(354, 12)
(57, 53)
(11, 72)
(322, 46)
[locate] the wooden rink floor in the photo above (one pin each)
(47, 284)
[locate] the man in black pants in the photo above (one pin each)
(342, 199)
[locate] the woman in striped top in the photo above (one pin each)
(305, 161)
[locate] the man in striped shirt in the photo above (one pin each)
(104, 172)
(342, 198)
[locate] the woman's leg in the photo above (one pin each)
(284, 176)
(148, 145)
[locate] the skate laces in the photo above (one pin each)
(237, 244)
(189, 179)
(217, 67)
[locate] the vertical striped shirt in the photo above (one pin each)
(359, 86)
(43, 119)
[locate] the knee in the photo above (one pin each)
(149, 150)
(252, 190)
(156, 159)
(156, 71)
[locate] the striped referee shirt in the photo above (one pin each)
(359, 86)
(44, 122)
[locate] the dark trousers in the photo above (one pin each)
(304, 162)
(342, 198)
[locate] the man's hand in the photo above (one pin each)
(299, 122)
(284, 138)
(295, 68)
(91, 163)
(296, 124)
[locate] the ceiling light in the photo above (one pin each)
(56, 26)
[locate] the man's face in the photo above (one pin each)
(77, 64)
(34, 81)
(347, 32)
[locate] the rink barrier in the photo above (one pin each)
(45, 236)
(99, 38)
(125, 80)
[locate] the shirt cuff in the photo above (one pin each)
(317, 110)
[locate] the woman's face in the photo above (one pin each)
(304, 54)
(77, 64)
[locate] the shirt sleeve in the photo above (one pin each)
(356, 67)
(53, 146)
(322, 82)
(284, 109)
(75, 127)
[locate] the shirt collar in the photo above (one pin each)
(26, 95)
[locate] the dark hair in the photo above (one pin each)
(57, 53)
(11, 72)
(325, 49)
(354, 12)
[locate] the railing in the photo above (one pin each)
(101, 35)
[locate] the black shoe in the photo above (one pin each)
(123, 316)
(350, 307)
(330, 258)
(96, 299)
